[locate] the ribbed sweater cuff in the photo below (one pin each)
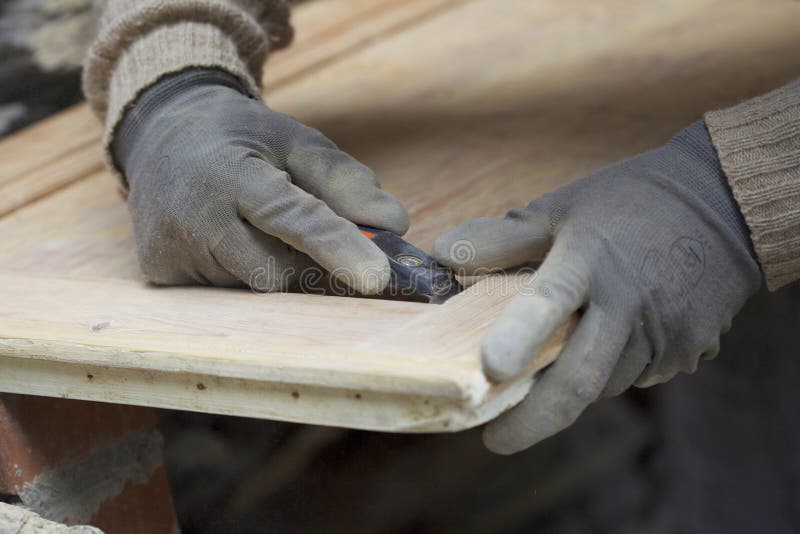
(758, 143)
(156, 55)
(141, 41)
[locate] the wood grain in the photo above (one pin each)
(332, 351)
(48, 156)
(475, 108)
(329, 30)
(496, 103)
(65, 148)
(551, 91)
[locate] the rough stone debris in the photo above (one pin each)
(77, 462)
(18, 520)
(75, 491)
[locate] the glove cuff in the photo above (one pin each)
(702, 174)
(140, 42)
(151, 103)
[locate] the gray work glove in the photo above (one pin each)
(655, 253)
(225, 191)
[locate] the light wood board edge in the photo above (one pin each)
(263, 399)
(444, 392)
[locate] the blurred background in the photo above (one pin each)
(625, 467)
(42, 43)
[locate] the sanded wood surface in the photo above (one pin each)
(56, 152)
(463, 108)
(334, 360)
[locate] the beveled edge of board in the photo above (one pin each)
(451, 395)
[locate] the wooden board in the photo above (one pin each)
(332, 360)
(58, 151)
(463, 109)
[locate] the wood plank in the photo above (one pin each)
(552, 90)
(65, 148)
(332, 29)
(329, 360)
(494, 104)
(82, 230)
(48, 156)
(468, 113)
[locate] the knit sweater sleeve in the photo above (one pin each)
(140, 41)
(758, 143)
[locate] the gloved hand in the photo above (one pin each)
(653, 250)
(225, 191)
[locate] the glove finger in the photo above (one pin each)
(262, 262)
(347, 186)
(488, 244)
(557, 289)
(565, 389)
(181, 266)
(670, 365)
(271, 203)
(215, 275)
(204, 271)
(634, 359)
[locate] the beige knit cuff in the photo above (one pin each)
(156, 55)
(758, 143)
(157, 39)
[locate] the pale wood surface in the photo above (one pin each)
(463, 108)
(330, 30)
(323, 359)
(58, 151)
